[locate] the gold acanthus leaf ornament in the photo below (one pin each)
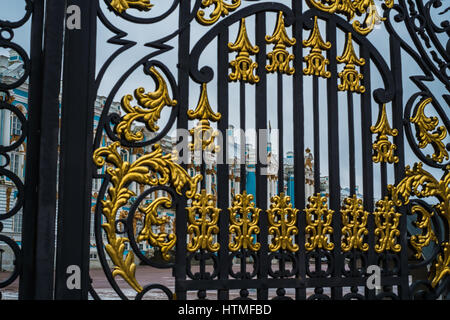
(354, 221)
(282, 223)
(280, 58)
(386, 222)
(424, 125)
(149, 110)
(203, 135)
(203, 216)
(441, 267)
(243, 66)
(151, 169)
(244, 217)
(350, 77)
(422, 240)
(352, 8)
(123, 5)
(316, 61)
(383, 148)
(162, 240)
(221, 9)
(318, 220)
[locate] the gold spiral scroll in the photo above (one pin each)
(221, 9)
(244, 217)
(123, 5)
(280, 58)
(354, 221)
(151, 169)
(318, 219)
(203, 216)
(282, 219)
(422, 240)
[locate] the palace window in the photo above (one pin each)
(16, 126)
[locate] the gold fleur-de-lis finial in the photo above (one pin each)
(203, 135)
(350, 77)
(243, 66)
(316, 61)
(384, 149)
(280, 57)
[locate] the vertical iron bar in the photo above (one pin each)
(333, 154)
(367, 164)
(30, 206)
(242, 124)
(261, 123)
(280, 133)
(316, 120)
(351, 142)
(182, 122)
(299, 144)
(46, 212)
(76, 164)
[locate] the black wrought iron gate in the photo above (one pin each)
(363, 84)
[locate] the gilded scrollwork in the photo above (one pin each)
(383, 148)
(424, 127)
(280, 58)
(350, 77)
(316, 61)
(422, 240)
(318, 220)
(203, 135)
(148, 110)
(354, 221)
(441, 267)
(203, 216)
(352, 8)
(221, 9)
(282, 223)
(244, 217)
(123, 5)
(151, 169)
(243, 66)
(387, 220)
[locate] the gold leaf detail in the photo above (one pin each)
(243, 66)
(441, 267)
(123, 5)
(386, 222)
(282, 219)
(162, 240)
(424, 125)
(384, 149)
(203, 135)
(316, 62)
(221, 9)
(151, 169)
(350, 77)
(428, 235)
(354, 221)
(280, 57)
(203, 216)
(244, 218)
(318, 219)
(149, 109)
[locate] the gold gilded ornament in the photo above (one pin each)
(244, 218)
(148, 111)
(151, 169)
(282, 219)
(318, 219)
(203, 135)
(354, 221)
(123, 5)
(203, 216)
(221, 9)
(386, 222)
(316, 62)
(428, 235)
(243, 66)
(424, 125)
(280, 57)
(350, 77)
(441, 267)
(384, 149)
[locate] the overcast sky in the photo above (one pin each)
(145, 33)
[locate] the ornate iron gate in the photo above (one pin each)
(260, 226)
